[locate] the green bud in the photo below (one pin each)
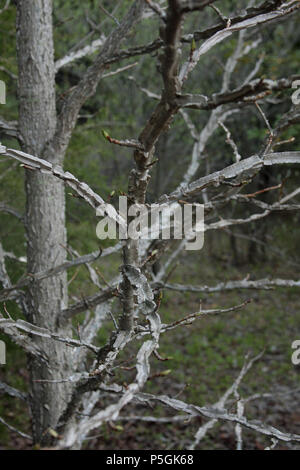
(105, 134)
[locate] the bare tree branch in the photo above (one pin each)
(7, 3)
(11, 211)
(245, 168)
(85, 259)
(15, 430)
(82, 189)
(13, 392)
(89, 302)
(88, 84)
(264, 284)
(215, 413)
(8, 327)
(10, 129)
(220, 404)
(285, 9)
(11, 326)
(202, 313)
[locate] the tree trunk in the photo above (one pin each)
(45, 213)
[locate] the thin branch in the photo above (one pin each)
(271, 133)
(88, 84)
(219, 13)
(110, 15)
(5, 7)
(124, 143)
(89, 302)
(245, 168)
(85, 259)
(248, 91)
(202, 313)
(25, 342)
(13, 392)
(76, 55)
(82, 189)
(117, 57)
(10, 129)
(13, 429)
(120, 70)
(231, 142)
(157, 9)
(220, 404)
(260, 284)
(8, 72)
(11, 211)
(218, 37)
(12, 326)
(223, 415)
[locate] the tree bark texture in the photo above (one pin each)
(45, 210)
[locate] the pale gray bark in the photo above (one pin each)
(45, 213)
(48, 137)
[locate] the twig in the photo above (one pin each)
(231, 142)
(265, 190)
(193, 316)
(13, 392)
(120, 70)
(5, 6)
(157, 9)
(109, 14)
(124, 143)
(271, 132)
(13, 429)
(219, 13)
